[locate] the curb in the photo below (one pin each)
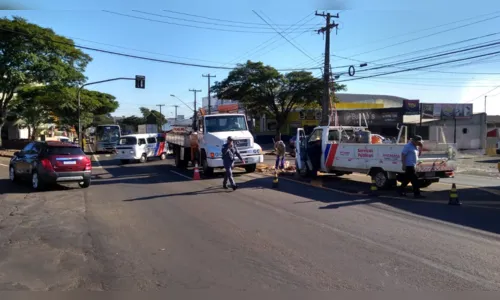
(9, 155)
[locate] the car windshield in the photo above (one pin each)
(62, 150)
(225, 123)
(129, 140)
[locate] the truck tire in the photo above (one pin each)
(180, 163)
(163, 156)
(382, 182)
(251, 168)
(143, 158)
(207, 171)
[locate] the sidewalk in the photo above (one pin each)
(7, 153)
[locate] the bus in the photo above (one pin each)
(106, 137)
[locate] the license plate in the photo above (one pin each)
(69, 162)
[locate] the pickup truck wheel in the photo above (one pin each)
(251, 168)
(207, 171)
(425, 183)
(381, 180)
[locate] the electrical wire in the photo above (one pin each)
(185, 25)
(215, 19)
(202, 22)
(420, 67)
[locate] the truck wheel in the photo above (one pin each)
(163, 156)
(381, 180)
(425, 183)
(207, 171)
(251, 168)
(143, 158)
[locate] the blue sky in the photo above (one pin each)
(362, 28)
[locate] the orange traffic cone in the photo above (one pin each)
(196, 175)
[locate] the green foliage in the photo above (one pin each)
(103, 120)
(31, 108)
(64, 104)
(262, 89)
(132, 122)
(30, 54)
(160, 118)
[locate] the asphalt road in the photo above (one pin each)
(149, 227)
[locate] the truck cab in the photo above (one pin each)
(213, 132)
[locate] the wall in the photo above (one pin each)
(470, 133)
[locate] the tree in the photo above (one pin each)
(64, 104)
(262, 89)
(31, 108)
(103, 120)
(132, 121)
(30, 54)
(159, 117)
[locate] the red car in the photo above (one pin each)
(48, 163)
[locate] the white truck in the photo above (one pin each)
(205, 142)
(342, 150)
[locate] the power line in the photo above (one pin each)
(291, 43)
(482, 95)
(201, 22)
(125, 54)
(216, 19)
(429, 35)
(421, 67)
(184, 25)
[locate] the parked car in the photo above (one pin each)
(48, 163)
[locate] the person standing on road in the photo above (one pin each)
(280, 148)
(229, 151)
(409, 159)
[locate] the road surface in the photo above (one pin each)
(149, 227)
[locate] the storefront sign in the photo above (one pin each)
(411, 107)
(374, 117)
(446, 110)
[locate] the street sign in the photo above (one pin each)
(140, 82)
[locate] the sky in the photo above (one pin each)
(379, 34)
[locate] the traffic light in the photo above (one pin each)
(140, 82)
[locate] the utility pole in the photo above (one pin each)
(161, 116)
(209, 97)
(176, 111)
(325, 116)
(194, 116)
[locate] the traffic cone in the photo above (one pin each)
(275, 180)
(454, 196)
(373, 189)
(196, 175)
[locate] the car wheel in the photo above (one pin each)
(143, 158)
(84, 184)
(12, 174)
(36, 183)
(163, 156)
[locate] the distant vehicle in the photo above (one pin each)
(46, 163)
(141, 146)
(106, 137)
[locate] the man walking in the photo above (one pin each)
(409, 159)
(229, 151)
(280, 149)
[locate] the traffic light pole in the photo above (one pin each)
(80, 141)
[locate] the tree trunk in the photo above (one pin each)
(29, 133)
(2, 123)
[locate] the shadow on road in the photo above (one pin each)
(24, 187)
(482, 218)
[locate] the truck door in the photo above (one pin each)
(300, 149)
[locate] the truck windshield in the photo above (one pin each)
(225, 123)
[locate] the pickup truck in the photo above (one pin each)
(342, 150)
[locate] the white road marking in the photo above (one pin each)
(95, 158)
(3, 165)
(182, 175)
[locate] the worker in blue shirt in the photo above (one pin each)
(409, 159)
